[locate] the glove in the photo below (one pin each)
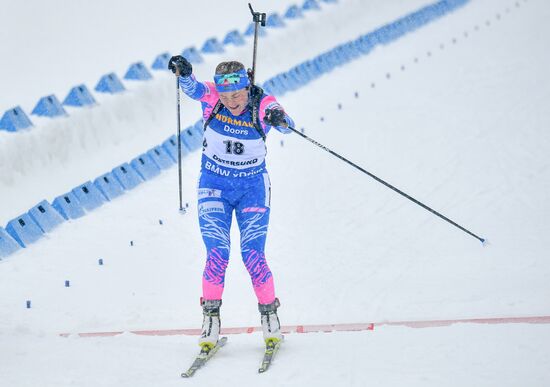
(275, 117)
(180, 66)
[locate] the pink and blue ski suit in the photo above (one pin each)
(233, 178)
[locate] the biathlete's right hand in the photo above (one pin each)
(180, 66)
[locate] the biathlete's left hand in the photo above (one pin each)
(275, 117)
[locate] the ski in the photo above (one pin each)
(271, 348)
(204, 355)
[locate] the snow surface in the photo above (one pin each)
(459, 123)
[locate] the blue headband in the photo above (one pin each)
(231, 82)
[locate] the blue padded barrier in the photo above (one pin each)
(275, 21)
(289, 82)
(294, 79)
(310, 69)
(372, 38)
(334, 58)
(198, 127)
(353, 52)
(331, 60)
(145, 166)
(127, 176)
(49, 106)
(109, 186)
(344, 54)
(275, 85)
(267, 86)
(192, 55)
(388, 33)
(294, 12)
(160, 157)
(297, 77)
(301, 77)
(270, 87)
(68, 206)
(190, 139)
(321, 64)
(212, 45)
(8, 245)
(250, 30)
(15, 119)
(171, 147)
(364, 44)
(45, 216)
(310, 5)
(234, 37)
(89, 196)
(281, 85)
(161, 61)
(79, 96)
(24, 230)
(110, 83)
(300, 74)
(138, 72)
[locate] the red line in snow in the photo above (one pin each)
(329, 327)
(495, 320)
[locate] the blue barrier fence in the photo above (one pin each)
(160, 157)
(79, 96)
(109, 186)
(89, 196)
(68, 206)
(24, 230)
(305, 72)
(127, 176)
(45, 216)
(110, 83)
(145, 166)
(30, 227)
(15, 119)
(8, 245)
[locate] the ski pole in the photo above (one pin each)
(179, 141)
(257, 17)
(482, 240)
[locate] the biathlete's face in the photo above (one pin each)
(235, 101)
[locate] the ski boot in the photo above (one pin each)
(211, 324)
(271, 326)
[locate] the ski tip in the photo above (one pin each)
(484, 242)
